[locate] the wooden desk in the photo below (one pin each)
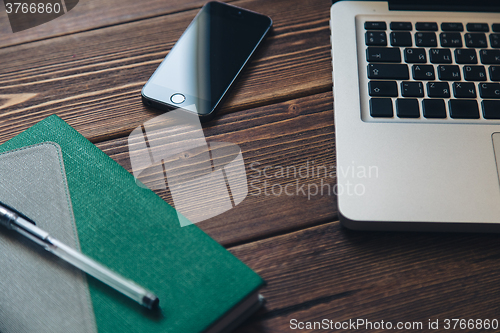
(88, 67)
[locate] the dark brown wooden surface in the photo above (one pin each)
(296, 133)
(327, 272)
(91, 77)
(88, 67)
(93, 14)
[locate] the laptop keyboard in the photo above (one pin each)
(433, 70)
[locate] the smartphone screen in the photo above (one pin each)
(207, 58)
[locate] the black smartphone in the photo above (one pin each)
(206, 60)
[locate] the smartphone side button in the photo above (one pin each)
(177, 98)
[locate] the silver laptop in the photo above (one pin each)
(417, 114)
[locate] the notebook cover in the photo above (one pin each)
(133, 231)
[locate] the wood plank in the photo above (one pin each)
(334, 273)
(93, 14)
(297, 135)
(93, 79)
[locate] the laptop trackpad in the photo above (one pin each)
(496, 146)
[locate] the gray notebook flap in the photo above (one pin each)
(39, 292)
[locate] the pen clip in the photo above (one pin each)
(12, 212)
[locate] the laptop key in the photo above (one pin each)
(383, 54)
(378, 25)
(475, 40)
(407, 108)
(474, 73)
(490, 57)
(388, 71)
(383, 88)
(401, 38)
(401, 26)
(438, 89)
(440, 56)
(449, 73)
(412, 89)
(464, 90)
(423, 72)
(465, 56)
(463, 109)
(478, 27)
(376, 38)
(450, 39)
(489, 90)
(452, 26)
(426, 39)
(491, 109)
(495, 40)
(415, 55)
(495, 27)
(495, 73)
(433, 108)
(381, 107)
(426, 26)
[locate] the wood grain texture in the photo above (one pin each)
(93, 79)
(334, 273)
(89, 66)
(93, 14)
(298, 135)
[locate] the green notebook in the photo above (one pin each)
(202, 287)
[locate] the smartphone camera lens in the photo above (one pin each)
(237, 13)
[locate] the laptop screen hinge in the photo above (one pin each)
(436, 5)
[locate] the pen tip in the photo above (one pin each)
(151, 301)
